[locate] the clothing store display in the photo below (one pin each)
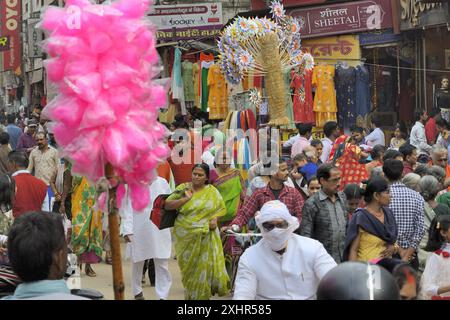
(188, 84)
(205, 90)
(303, 100)
(362, 91)
(325, 98)
(218, 98)
(196, 80)
(345, 82)
(177, 81)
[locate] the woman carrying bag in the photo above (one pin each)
(197, 241)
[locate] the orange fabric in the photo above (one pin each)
(163, 171)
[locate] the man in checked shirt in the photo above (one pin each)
(408, 208)
(275, 190)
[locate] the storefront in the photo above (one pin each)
(361, 33)
(186, 38)
(429, 25)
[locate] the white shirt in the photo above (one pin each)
(291, 141)
(147, 241)
(418, 138)
(375, 137)
(265, 275)
(435, 275)
(327, 145)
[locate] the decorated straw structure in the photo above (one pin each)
(275, 89)
(261, 46)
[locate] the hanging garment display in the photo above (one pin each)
(362, 91)
(177, 81)
(218, 97)
(345, 78)
(303, 100)
(188, 81)
(206, 65)
(196, 81)
(325, 98)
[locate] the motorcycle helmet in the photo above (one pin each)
(358, 281)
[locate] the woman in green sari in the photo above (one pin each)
(230, 184)
(197, 240)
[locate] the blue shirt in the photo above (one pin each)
(309, 170)
(39, 288)
(14, 133)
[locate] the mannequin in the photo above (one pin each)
(443, 99)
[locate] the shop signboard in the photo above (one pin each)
(264, 4)
(187, 21)
(35, 37)
(334, 49)
(385, 36)
(416, 14)
(10, 20)
(344, 18)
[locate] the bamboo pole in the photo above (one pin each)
(113, 219)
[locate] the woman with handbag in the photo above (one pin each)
(197, 241)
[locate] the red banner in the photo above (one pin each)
(10, 19)
(344, 18)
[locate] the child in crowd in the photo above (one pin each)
(309, 170)
(298, 163)
(317, 144)
(399, 138)
(313, 186)
(436, 276)
(353, 195)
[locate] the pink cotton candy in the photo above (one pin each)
(55, 69)
(99, 42)
(102, 201)
(52, 18)
(115, 147)
(81, 65)
(140, 196)
(132, 8)
(102, 59)
(99, 114)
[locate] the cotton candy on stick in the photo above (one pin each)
(103, 65)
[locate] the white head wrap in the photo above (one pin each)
(273, 210)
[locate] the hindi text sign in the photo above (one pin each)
(344, 18)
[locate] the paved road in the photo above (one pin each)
(104, 283)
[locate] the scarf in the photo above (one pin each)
(364, 219)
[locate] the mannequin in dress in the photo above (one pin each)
(443, 99)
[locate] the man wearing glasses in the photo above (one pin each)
(283, 265)
(324, 215)
(439, 157)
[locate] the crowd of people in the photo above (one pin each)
(342, 199)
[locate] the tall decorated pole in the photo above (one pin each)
(265, 47)
(102, 59)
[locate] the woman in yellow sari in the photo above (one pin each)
(197, 240)
(86, 225)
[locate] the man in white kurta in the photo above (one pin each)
(283, 265)
(145, 241)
